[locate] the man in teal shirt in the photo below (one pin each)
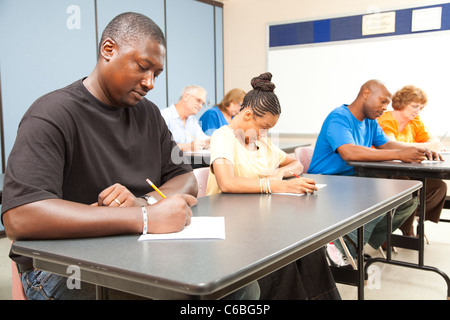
(342, 127)
(348, 133)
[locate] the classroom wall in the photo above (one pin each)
(245, 25)
(46, 45)
(246, 21)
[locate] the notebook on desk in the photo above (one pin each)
(200, 228)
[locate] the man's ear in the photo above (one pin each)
(185, 97)
(108, 48)
(366, 93)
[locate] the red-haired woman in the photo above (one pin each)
(404, 124)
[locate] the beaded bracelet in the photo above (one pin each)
(144, 216)
(264, 186)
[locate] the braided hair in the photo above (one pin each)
(262, 99)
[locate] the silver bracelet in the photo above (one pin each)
(145, 218)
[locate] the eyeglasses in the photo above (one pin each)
(416, 106)
(197, 99)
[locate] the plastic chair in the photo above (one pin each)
(17, 288)
(304, 155)
(201, 174)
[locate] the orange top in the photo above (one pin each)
(414, 131)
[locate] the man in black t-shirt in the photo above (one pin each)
(75, 143)
(83, 153)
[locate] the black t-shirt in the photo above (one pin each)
(71, 146)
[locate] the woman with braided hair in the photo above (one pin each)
(244, 160)
(243, 155)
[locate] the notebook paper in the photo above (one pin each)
(200, 228)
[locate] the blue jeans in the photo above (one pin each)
(43, 285)
(375, 230)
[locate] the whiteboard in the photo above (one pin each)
(311, 80)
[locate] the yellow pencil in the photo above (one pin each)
(154, 187)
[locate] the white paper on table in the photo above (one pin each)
(431, 161)
(423, 161)
(200, 228)
(319, 185)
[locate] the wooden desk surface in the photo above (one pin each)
(263, 233)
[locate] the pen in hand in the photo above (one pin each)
(307, 190)
(154, 187)
(294, 174)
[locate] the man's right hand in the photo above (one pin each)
(413, 154)
(171, 214)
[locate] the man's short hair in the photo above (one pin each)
(132, 27)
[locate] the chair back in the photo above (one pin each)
(304, 155)
(201, 174)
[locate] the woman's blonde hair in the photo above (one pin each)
(234, 95)
(407, 95)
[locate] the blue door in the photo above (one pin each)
(45, 45)
(190, 48)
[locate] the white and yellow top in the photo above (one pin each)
(250, 164)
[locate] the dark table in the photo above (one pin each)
(263, 233)
(418, 171)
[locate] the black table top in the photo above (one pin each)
(263, 232)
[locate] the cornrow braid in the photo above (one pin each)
(262, 99)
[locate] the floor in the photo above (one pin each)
(389, 282)
(5, 269)
(386, 282)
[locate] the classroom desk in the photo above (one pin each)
(198, 158)
(263, 233)
(290, 147)
(418, 171)
(202, 158)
